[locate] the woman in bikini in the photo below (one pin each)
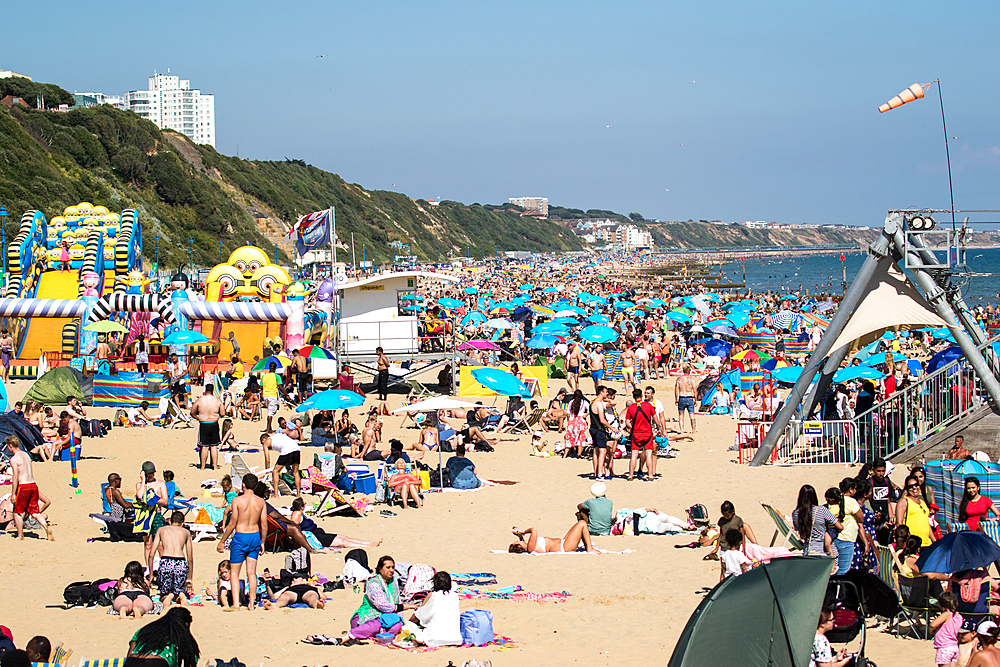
(133, 592)
(537, 544)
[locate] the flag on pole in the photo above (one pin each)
(312, 231)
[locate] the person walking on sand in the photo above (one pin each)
(573, 361)
(684, 392)
(6, 352)
(249, 521)
(595, 364)
(176, 561)
(25, 490)
(208, 410)
(150, 494)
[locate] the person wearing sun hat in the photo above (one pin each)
(598, 511)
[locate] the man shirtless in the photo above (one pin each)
(25, 491)
(249, 521)
(103, 351)
(74, 434)
(301, 372)
(595, 364)
(628, 367)
(383, 375)
(573, 361)
(207, 411)
(684, 392)
(176, 559)
(75, 408)
(368, 439)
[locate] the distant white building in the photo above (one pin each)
(532, 205)
(84, 100)
(6, 74)
(172, 104)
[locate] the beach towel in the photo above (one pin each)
(566, 553)
(761, 553)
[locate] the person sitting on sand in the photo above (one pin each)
(133, 592)
(300, 591)
(381, 598)
(166, 642)
(537, 544)
(407, 484)
(428, 440)
(307, 525)
(437, 621)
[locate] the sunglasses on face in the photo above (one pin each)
(913, 486)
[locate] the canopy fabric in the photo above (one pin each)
(766, 616)
(891, 301)
(58, 384)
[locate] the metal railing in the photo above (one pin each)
(932, 403)
(819, 442)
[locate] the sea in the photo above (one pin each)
(823, 274)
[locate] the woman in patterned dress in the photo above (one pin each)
(578, 429)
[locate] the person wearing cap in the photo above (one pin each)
(599, 511)
(988, 654)
(150, 494)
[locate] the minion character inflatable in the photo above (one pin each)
(247, 274)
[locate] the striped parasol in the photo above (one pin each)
(784, 319)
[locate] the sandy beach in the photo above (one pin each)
(623, 608)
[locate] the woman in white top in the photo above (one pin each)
(436, 622)
(720, 400)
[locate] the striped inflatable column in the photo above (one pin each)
(69, 338)
(122, 249)
(130, 303)
(14, 254)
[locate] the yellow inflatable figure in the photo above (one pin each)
(248, 273)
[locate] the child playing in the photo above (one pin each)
(538, 444)
(947, 626)
(734, 561)
(224, 587)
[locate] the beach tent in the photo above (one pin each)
(29, 434)
(58, 384)
(766, 617)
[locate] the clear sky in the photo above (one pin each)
(693, 110)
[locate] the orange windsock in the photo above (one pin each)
(914, 92)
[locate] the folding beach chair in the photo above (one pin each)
(887, 572)
(530, 423)
(276, 535)
(781, 524)
(418, 392)
(320, 481)
(177, 416)
(60, 655)
(108, 662)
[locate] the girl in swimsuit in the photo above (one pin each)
(536, 544)
(133, 592)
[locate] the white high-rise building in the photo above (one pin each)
(171, 104)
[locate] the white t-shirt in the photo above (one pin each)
(440, 617)
(282, 444)
(658, 406)
(734, 559)
(640, 353)
(720, 398)
(584, 408)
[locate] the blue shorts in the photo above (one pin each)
(685, 403)
(243, 546)
(597, 375)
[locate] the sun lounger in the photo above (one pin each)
(177, 416)
(319, 482)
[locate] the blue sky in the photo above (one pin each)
(590, 104)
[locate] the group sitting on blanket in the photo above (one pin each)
(430, 596)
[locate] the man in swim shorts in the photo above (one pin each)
(595, 363)
(684, 392)
(248, 526)
(628, 358)
(176, 561)
(24, 490)
(573, 367)
(207, 411)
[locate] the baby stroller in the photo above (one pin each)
(850, 599)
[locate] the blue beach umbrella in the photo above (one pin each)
(788, 374)
(500, 382)
(331, 399)
(185, 338)
(959, 551)
(879, 359)
(717, 348)
(678, 316)
(412, 297)
(526, 287)
(450, 304)
(599, 333)
(471, 290)
(855, 372)
(473, 317)
(550, 328)
(550, 290)
(542, 341)
(599, 319)
(943, 358)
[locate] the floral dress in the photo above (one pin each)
(863, 561)
(578, 428)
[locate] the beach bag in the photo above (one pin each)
(80, 594)
(698, 515)
(477, 627)
(107, 591)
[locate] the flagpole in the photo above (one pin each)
(354, 257)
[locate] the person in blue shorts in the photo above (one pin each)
(248, 526)
(595, 364)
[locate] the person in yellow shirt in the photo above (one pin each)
(270, 386)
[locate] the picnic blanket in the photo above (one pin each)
(500, 643)
(509, 593)
(566, 553)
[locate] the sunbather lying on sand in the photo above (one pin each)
(536, 544)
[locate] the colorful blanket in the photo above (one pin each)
(509, 593)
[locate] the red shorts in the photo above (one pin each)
(27, 499)
(639, 443)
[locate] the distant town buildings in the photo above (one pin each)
(84, 100)
(612, 233)
(171, 103)
(533, 206)
(6, 74)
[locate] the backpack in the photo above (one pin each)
(698, 515)
(477, 627)
(105, 597)
(80, 594)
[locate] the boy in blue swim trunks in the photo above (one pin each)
(249, 521)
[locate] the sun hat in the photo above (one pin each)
(597, 489)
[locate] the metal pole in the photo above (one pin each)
(191, 241)
(354, 257)
(938, 298)
(878, 258)
(220, 252)
(947, 154)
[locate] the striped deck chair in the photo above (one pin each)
(888, 568)
(747, 381)
(530, 423)
(613, 363)
(791, 540)
(108, 662)
(240, 468)
(319, 482)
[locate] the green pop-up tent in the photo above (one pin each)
(763, 618)
(58, 384)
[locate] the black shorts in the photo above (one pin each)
(208, 434)
(599, 437)
(289, 460)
